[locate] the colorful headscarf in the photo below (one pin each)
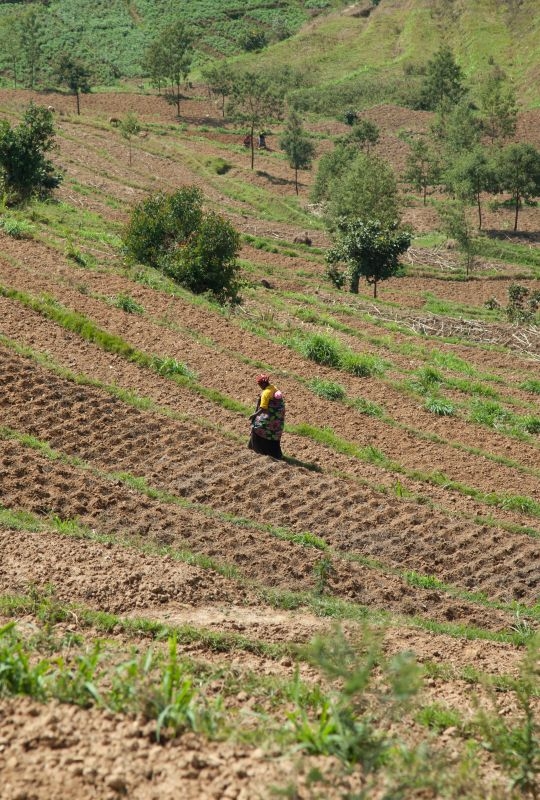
(263, 379)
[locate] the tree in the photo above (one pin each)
(255, 101)
(442, 82)
(74, 74)
(24, 168)
(169, 59)
(30, 36)
(366, 189)
(364, 134)
(11, 44)
(423, 167)
(457, 127)
(470, 174)
(498, 105)
(129, 126)
(219, 78)
(198, 249)
(369, 249)
(331, 167)
(456, 223)
(297, 146)
(518, 172)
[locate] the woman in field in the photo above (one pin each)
(268, 420)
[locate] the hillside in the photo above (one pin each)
(161, 586)
(352, 53)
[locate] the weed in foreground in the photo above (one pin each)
(327, 389)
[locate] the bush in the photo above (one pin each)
(197, 249)
(206, 262)
(322, 349)
(361, 364)
(24, 169)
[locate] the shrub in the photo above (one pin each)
(197, 249)
(206, 262)
(16, 228)
(127, 303)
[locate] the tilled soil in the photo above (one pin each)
(178, 523)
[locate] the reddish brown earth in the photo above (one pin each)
(200, 489)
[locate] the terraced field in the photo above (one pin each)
(161, 584)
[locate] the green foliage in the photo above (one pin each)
(24, 168)
(74, 74)
(457, 223)
(497, 105)
(522, 304)
(197, 249)
(219, 78)
(168, 59)
(129, 127)
(531, 385)
(439, 717)
(469, 175)
(423, 167)
(366, 188)
(369, 249)
(362, 365)
(327, 389)
(16, 228)
(436, 405)
(160, 222)
(255, 101)
(364, 134)
(518, 172)
(299, 149)
(443, 82)
(127, 303)
(514, 741)
(322, 349)
(207, 261)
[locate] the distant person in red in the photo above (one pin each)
(268, 420)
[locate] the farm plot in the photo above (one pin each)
(166, 582)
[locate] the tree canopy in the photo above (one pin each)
(299, 149)
(168, 59)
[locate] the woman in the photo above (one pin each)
(268, 420)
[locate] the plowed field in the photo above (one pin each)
(138, 533)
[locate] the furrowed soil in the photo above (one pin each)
(132, 511)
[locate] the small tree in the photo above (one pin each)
(367, 189)
(255, 101)
(423, 167)
(364, 134)
(518, 172)
(24, 168)
(369, 249)
(75, 75)
(469, 175)
(297, 146)
(498, 105)
(29, 33)
(456, 223)
(169, 59)
(443, 81)
(129, 127)
(219, 78)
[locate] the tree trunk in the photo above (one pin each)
(375, 289)
(296, 179)
(517, 211)
(479, 211)
(252, 146)
(355, 282)
(129, 142)
(425, 193)
(78, 103)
